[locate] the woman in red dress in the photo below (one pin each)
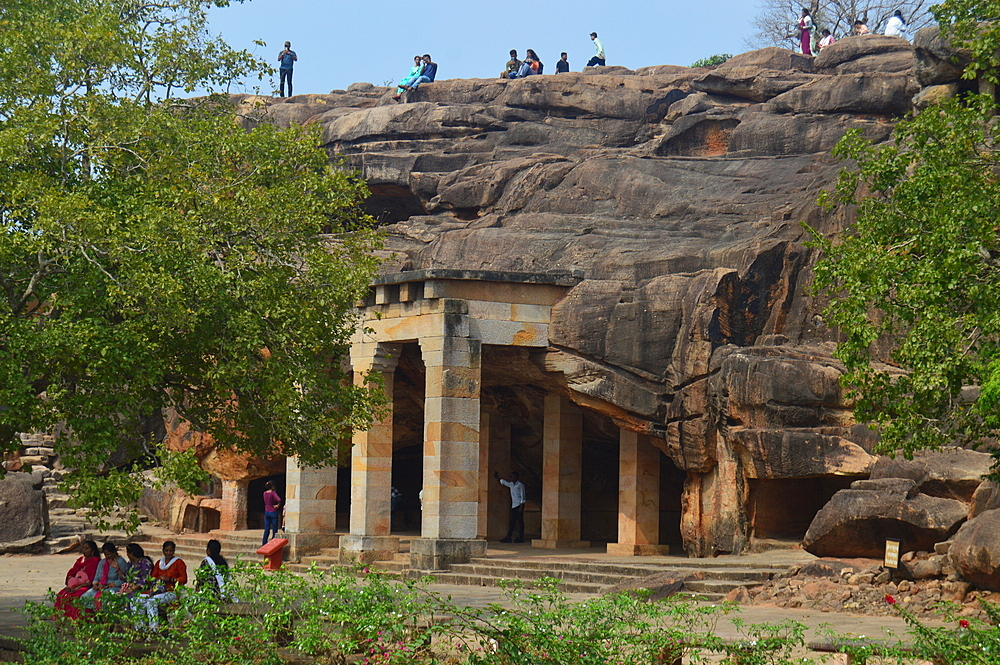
(78, 580)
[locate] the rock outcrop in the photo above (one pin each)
(975, 551)
(953, 473)
(23, 513)
(677, 195)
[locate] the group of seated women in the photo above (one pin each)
(138, 583)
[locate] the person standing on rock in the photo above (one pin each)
(562, 64)
(516, 506)
(896, 27)
(287, 58)
(805, 32)
(272, 500)
(513, 65)
(598, 59)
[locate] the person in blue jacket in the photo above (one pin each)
(287, 59)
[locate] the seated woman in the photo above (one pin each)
(415, 71)
(168, 573)
(532, 65)
(140, 568)
(110, 576)
(213, 572)
(78, 580)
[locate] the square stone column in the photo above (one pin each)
(494, 455)
(310, 507)
(562, 470)
(233, 509)
(371, 465)
(451, 449)
(638, 497)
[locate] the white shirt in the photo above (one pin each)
(600, 54)
(896, 28)
(516, 492)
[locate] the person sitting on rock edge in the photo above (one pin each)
(427, 76)
(562, 64)
(415, 71)
(896, 27)
(598, 59)
(532, 65)
(513, 65)
(860, 28)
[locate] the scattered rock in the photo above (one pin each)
(975, 550)
(950, 473)
(23, 511)
(661, 585)
(986, 497)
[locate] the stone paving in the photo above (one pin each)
(26, 577)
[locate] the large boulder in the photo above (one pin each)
(857, 521)
(799, 134)
(934, 59)
(975, 550)
(753, 83)
(865, 53)
(771, 57)
(875, 93)
(986, 497)
(24, 513)
(951, 473)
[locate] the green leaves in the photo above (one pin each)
(155, 254)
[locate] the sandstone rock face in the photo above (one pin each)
(934, 60)
(23, 512)
(677, 195)
(986, 497)
(856, 522)
(975, 552)
(953, 473)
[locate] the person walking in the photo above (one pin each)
(805, 32)
(272, 501)
(598, 59)
(516, 506)
(287, 58)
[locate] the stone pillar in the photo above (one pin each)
(638, 497)
(310, 508)
(494, 455)
(562, 469)
(233, 509)
(371, 466)
(451, 448)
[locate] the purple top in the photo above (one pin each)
(271, 501)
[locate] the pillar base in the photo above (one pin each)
(559, 544)
(302, 544)
(439, 553)
(625, 549)
(365, 549)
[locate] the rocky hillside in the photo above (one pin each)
(677, 194)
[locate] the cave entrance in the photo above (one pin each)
(408, 396)
(671, 489)
(781, 509)
(255, 498)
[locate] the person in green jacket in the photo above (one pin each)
(415, 71)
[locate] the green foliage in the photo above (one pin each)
(157, 255)
(712, 60)
(915, 285)
(973, 25)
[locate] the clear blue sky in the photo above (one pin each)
(339, 43)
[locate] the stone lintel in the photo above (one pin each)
(428, 554)
(558, 278)
(625, 549)
(365, 549)
(303, 544)
(559, 544)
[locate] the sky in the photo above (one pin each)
(339, 43)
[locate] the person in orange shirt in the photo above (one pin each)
(168, 573)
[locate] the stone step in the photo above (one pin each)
(490, 581)
(721, 587)
(38, 451)
(682, 567)
(513, 572)
(62, 544)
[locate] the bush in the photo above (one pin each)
(712, 61)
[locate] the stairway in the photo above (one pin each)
(191, 547)
(710, 579)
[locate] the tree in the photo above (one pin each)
(776, 21)
(712, 60)
(154, 254)
(915, 285)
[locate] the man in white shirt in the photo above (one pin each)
(598, 60)
(516, 506)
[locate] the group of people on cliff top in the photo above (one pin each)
(135, 583)
(532, 64)
(894, 27)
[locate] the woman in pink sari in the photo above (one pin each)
(805, 32)
(78, 580)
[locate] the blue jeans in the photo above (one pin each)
(417, 81)
(270, 526)
(595, 62)
(283, 75)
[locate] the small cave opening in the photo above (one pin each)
(390, 203)
(783, 508)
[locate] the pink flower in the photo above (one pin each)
(366, 571)
(963, 623)
(889, 599)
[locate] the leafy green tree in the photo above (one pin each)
(915, 284)
(712, 60)
(155, 254)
